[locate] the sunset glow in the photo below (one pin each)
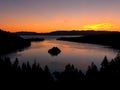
(103, 26)
(52, 15)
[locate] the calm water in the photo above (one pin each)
(79, 54)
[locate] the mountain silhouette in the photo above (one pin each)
(11, 42)
(64, 32)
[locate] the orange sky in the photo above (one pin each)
(52, 15)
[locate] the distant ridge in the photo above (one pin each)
(26, 33)
(73, 32)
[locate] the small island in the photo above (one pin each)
(54, 51)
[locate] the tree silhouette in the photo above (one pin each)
(92, 73)
(34, 76)
(104, 63)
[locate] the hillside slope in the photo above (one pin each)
(11, 42)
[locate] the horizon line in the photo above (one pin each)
(62, 30)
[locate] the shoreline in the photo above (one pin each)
(111, 41)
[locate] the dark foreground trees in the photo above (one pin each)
(34, 76)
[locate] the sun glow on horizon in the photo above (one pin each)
(96, 27)
(52, 15)
(101, 26)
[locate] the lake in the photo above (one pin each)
(79, 54)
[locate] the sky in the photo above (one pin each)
(51, 15)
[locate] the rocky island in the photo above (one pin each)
(54, 51)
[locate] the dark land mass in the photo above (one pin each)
(10, 42)
(35, 39)
(26, 76)
(26, 33)
(73, 32)
(112, 39)
(54, 51)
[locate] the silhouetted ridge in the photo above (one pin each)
(10, 42)
(111, 39)
(65, 32)
(80, 32)
(26, 33)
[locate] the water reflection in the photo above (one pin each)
(79, 54)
